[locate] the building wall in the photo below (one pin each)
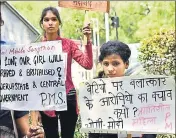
(15, 27)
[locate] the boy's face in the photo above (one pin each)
(114, 66)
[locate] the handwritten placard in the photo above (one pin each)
(33, 77)
(130, 104)
(102, 6)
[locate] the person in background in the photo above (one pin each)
(114, 58)
(50, 21)
(15, 124)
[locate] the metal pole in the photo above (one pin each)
(94, 33)
(117, 32)
(98, 35)
(116, 27)
(107, 26)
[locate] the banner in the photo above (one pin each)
(33, 77)
(128, 104)
(102, 6)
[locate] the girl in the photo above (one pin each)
(114, 57)
(50, 22)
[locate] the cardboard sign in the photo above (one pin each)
(102, 6)
(33, 77)
(128, 104)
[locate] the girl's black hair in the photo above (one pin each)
(54, 11)
(115, 47)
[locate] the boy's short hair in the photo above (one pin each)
(115, 47)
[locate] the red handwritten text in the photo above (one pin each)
(153, 108)
(168, 123)
(144, 121)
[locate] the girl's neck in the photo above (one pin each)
(51, 37)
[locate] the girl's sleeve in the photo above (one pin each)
(84, 59)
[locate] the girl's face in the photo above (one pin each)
(50, 23)
(114, 66)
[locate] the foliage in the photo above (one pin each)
(138, 19)
(78, 134)
(158, 53)
(72, 24)
(31, 10)
(161, 15)
(165, 136)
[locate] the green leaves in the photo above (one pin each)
(157, 53)
(31, 10)
(138, 19)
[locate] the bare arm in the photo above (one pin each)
(22, 125)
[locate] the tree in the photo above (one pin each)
(157, 53)
(161, 15)
(31, 10)
(138, 19)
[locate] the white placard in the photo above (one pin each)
(129, 104)
(33, 77)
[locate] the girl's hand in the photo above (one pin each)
(87, 31)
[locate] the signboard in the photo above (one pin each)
(102, 6)
(33, 77)
(128, 104)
